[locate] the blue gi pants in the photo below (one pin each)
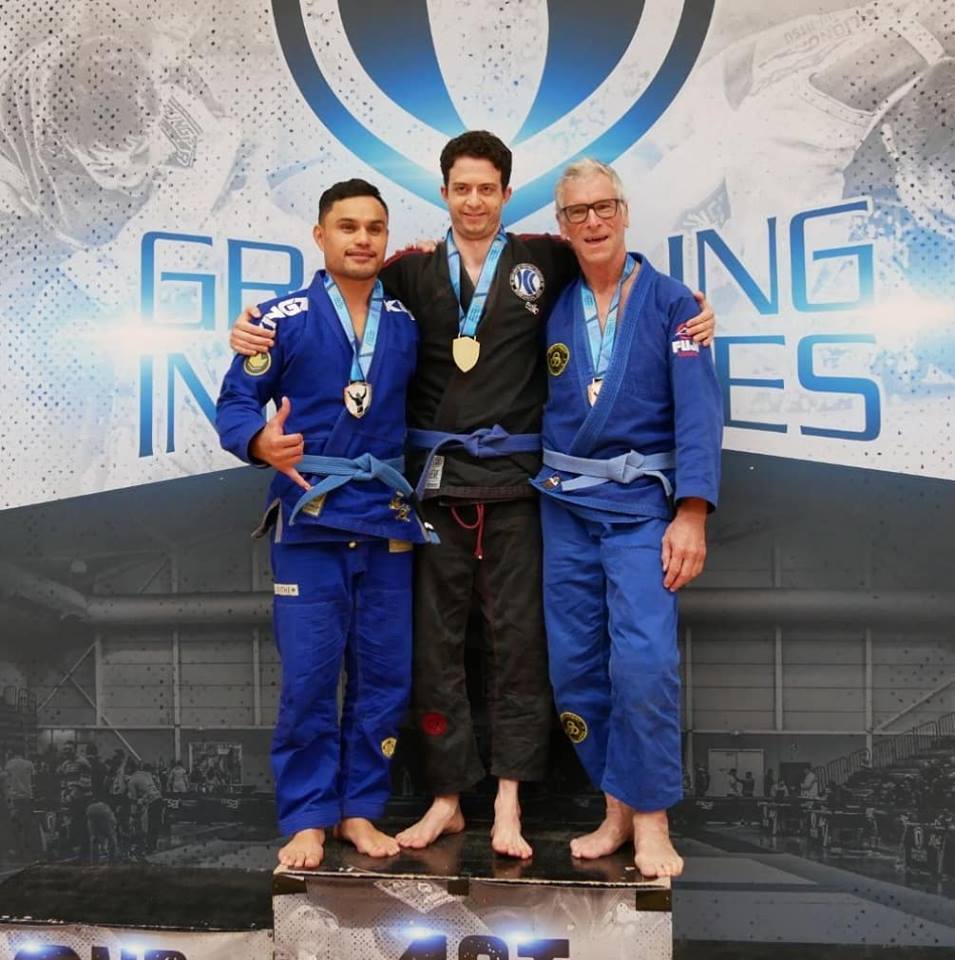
(614, 664)
(334, 601)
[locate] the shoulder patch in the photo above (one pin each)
(284, 308)
(258, 364)
(683, 345)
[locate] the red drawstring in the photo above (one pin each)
(477, 525)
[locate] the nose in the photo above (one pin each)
(592, 218)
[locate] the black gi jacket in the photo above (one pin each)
(508, 386)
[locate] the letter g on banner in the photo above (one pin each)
(586, 42)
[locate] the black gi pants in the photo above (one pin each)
(508, 582)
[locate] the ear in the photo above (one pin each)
(444, 192)
(318, 234)
(561, 227)
(625, 215)
(507, 194)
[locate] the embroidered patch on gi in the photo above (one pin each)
(402, 511)
(285, 589)
(400, 546)
(558, 356)
(434, 724)
(314, 507)
(574, 726)
(388, 746)
(528, 283)
(683, 344)
(257, 364)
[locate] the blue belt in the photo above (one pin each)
(338, 471)
(484, 443)
(623, 469)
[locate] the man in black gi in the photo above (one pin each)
(474, 409)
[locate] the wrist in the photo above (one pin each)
(693, 508)
(255, 448)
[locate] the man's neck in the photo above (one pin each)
(473, 252)
(604, 277)
(356, 294)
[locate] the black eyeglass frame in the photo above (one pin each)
(587, 207)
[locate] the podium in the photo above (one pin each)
(459, 901)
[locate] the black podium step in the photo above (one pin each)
(459, 900)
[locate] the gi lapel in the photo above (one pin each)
(447, 416)
(591, 429)
(337, 442)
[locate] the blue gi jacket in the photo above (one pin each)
(310, 363)
(660, 394)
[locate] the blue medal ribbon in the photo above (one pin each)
(601, 346)
(468, 323)
(363, 352)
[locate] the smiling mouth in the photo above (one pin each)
(592, 241)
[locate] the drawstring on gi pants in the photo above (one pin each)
(477, 525)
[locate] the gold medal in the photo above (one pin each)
(357, 398)
(465, 351)
(593, 389)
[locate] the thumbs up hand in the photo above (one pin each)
(281, 450)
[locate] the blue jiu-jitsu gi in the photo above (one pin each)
(341, 554)
(612, 472)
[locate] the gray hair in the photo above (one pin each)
(587, 167)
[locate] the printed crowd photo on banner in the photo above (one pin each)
(595, 365)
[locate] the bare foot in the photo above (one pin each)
(366, 838)
(304, 851)
(443, 816)
(506, 836)
(655, 856)
(610, 836)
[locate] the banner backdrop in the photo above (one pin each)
(161, 166)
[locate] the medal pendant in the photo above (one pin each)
(357, 397)
(465, 351)
(593, 389)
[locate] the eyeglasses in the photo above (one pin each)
(605, 209)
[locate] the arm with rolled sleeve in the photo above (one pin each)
(697, 411)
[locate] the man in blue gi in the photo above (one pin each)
(631, 433)
(342, 520)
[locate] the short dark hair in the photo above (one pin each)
(483, 146)
(345, 190)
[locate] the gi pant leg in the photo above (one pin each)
(337, 601)
(611, 628)
(508, 582)
(378, 689)
(519, 695)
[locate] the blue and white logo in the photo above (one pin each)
(556, 79)
(527, 281)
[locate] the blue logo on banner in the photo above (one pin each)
(585, 41)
